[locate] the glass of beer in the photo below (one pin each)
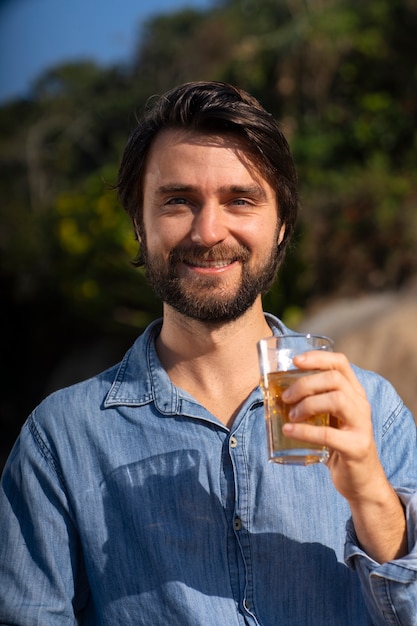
(277, 373)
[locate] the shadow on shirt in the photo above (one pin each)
(170, 536)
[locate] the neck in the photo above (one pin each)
(216, 363)
(184, 338)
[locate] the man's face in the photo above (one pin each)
(210, 229)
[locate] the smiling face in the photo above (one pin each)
(210, 229)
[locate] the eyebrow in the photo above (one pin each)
(175, 187)
(245, 190)
(249, 190)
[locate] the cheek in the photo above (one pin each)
(164, 236)
(261, 238)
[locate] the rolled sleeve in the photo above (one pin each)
(390, 589)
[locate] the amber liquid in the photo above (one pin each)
(283, 449)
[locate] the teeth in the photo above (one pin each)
(212, 264)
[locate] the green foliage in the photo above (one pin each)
(188, 45)
(94, 245)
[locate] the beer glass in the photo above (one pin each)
(277, 373)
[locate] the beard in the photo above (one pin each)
(209, 298)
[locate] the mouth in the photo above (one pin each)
(210, 267)
(218, 260)
(210, 264)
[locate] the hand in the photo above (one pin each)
(354, 463)
(335, 390)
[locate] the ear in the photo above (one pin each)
(137, 229)
(281, 234)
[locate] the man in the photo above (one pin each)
(144, 496)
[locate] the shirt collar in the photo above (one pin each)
(141, 379)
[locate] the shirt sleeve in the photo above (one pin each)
(40, 556)
(390, 589)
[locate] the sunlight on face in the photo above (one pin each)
(210, 228)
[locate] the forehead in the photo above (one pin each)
(169, 144)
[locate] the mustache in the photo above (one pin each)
(219, 252)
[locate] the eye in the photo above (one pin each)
(178, 200)
(240, 201)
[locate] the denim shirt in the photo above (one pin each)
(124, 501)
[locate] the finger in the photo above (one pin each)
(322, 360)
(350, 444)
(350, 410)
(329, 387)
(330, 403)
(312, 383)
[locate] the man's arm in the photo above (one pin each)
(354, 464)
(38, 547)
(366, 465)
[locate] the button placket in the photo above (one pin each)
(241, 519)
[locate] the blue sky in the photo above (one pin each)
(38, 34)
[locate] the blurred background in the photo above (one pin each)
(339, 75)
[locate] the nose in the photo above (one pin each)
(209, 225)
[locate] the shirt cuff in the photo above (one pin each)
(390, 589)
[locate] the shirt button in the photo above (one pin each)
(237, 523)
(233, 442)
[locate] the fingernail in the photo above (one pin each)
(292, 414)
